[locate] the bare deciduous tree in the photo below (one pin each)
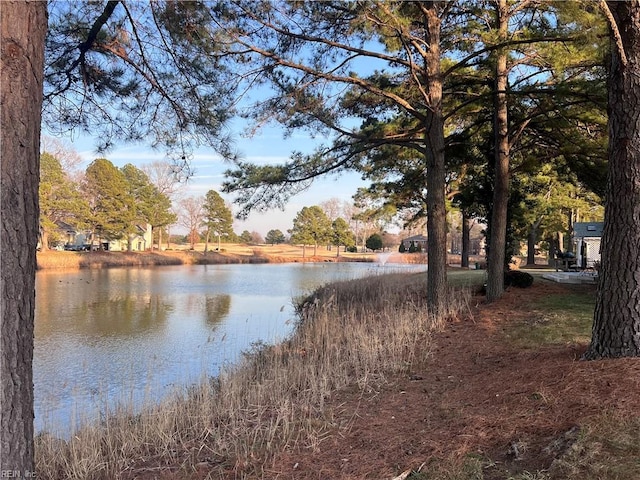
(191, 216)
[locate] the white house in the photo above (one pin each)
(140, 241)
(81, 240)
(586, 240)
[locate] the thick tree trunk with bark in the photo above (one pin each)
(616, 327)
(497, 242)
(23, 28)
(436, 213)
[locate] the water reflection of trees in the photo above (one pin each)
(123, 316)
(99, 302)
(216, 308)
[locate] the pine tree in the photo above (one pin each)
(341, 235)
(111, 205)
(616, 325)
(274, 237)
(151, 206)
(217, 217)
(60, 199)
(311, 226)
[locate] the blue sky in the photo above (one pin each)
(267, 147)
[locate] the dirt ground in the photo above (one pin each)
(475, 394)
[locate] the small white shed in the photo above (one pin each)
(586, 239)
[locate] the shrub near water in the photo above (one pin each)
(350, 333)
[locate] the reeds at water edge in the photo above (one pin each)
(348, 333)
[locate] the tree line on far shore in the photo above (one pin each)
(110, 203)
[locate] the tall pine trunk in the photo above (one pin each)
(23, 28)
(436, 213)
(616, 326)
(497, 241)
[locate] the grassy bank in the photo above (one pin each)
(350, 333)
(77, 260)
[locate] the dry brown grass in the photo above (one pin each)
(75, 260)
(229, 253)
(350, 333)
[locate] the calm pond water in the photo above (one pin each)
(132, 334)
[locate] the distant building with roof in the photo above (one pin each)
(419, 241)
(586, 239)
(140, 240)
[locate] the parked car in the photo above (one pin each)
(77, 248)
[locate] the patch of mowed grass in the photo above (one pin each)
(608, 447)
(466, 278)
(563, 318)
